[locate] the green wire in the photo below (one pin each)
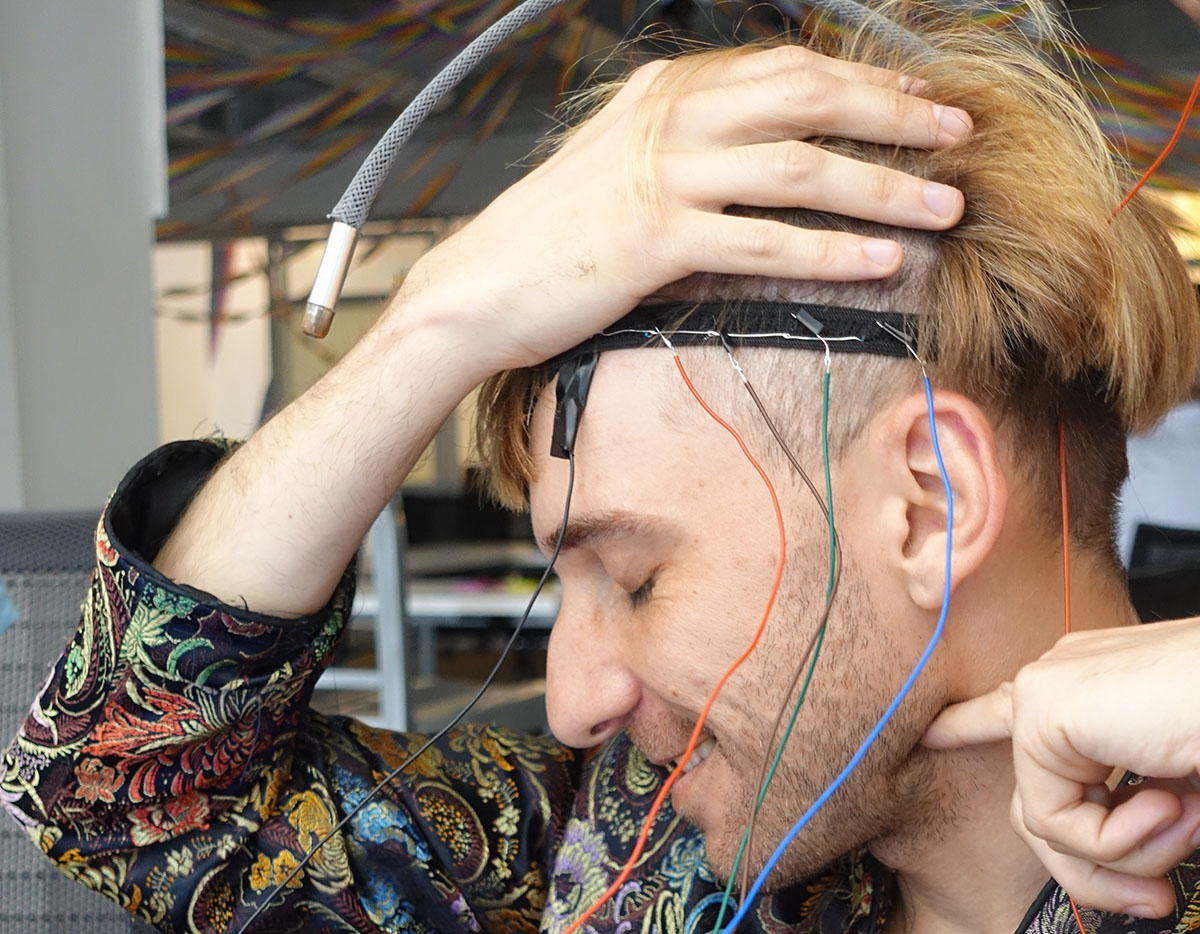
(787, 733)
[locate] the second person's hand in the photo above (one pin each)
(1099, 701)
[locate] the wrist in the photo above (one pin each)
(433, 327)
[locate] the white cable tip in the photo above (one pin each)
(331, 276)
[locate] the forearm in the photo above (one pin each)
(276, 525)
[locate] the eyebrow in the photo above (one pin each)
(597, 527)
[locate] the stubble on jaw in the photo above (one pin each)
(896, 802)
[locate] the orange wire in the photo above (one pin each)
(1183, 119)
(1062, 430)
(698, 729)
(1078, 920)
(1066, 550)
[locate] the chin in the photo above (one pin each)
(812, 852)
(866, 813)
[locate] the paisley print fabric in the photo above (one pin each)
(172, 764)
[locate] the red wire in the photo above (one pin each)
(1183, 119)
(1062, 430)
(1066, 552)
(696, 731)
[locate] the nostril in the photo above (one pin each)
(604, 727)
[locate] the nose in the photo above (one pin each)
(590, 691)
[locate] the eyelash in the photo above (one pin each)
(639, 597)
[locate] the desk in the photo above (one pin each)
(436, 603)
(429, 602)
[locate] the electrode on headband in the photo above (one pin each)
(570, 397)
(799, 325)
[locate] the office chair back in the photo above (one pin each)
(45, 564)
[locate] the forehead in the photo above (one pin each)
(644, 446)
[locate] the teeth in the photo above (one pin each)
(701, 753)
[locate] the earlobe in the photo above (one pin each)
(977, 483)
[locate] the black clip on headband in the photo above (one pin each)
(795, 325)
(570, 396)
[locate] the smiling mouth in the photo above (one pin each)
(701, 753)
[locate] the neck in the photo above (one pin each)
(973, 873)
(978, 876)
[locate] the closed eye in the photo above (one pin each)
(639, 597)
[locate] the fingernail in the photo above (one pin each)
(1196, 839)
(1141, 911)
(955, 124)
(881, 252)
(942, 200)
(917, 87)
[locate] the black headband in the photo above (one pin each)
(796, 325)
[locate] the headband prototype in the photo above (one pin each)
(794, 325)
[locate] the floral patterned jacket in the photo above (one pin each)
(172, 763)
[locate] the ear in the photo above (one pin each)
(918, 497)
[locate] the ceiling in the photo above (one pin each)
(272, 104)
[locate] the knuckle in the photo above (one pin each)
(795, 162)
(1025, 683)
(789, 56)
(1036, 825)
(883, 185)
(808, 89)
(1068, 639)
(762, 241)
(1016, 813)
(1107, 852)
(901, 109)
(642, 78)
(824, 251)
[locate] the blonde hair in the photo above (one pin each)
(1040, 303)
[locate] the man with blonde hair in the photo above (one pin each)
(172, 763)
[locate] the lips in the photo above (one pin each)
(701, 752)
(699, 755)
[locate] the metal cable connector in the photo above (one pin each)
(331, 276)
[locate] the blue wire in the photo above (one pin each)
(749, 897)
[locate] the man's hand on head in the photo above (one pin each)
(1116, 699)
(610, 218)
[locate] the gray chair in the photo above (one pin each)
(45, 563)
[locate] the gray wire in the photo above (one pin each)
(355, 203)
(487, 682)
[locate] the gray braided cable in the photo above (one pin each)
(355, 203)
(352, 209)
(857, 16)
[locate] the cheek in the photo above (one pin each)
(686, 643)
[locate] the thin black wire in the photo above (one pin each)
(387, 779)
(812, 641)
